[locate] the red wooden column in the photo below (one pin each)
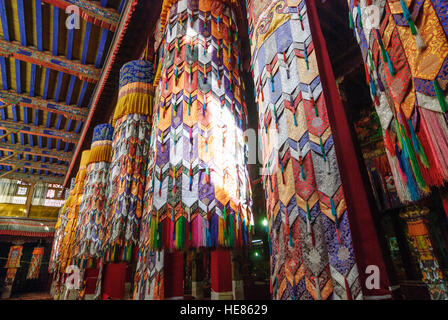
(360, 206)
(174, 275)
(113, 281)
(221, 275)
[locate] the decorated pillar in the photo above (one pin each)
(66, 246)
(312, 255)
(221, 275)
(405, 52)
(53, 266)
(418, 233)
(132, 123)
(198, 191)
(87, 249)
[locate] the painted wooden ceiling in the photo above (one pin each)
(48, 74)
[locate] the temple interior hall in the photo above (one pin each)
(223, 150)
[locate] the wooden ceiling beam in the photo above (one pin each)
(70, 112)
(71, 137)
(20, 164)
(35, 151)
(32, 178)
(45, 59)
(91, 11)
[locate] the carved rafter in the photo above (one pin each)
(20, 164)
(91, 11)
(70, 112)
(45, 59)
(21, 127)
(35, 151)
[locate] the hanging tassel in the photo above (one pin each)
(390, 64)
(350, 19)
(421, 45)
(336, 219)
(440, 96)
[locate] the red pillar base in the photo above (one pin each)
(174, 281)
(221, 275)
(113, 281)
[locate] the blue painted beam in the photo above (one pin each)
(58, 86)
(55, 30)
(39, 25)
(101, 47)
(122, 4)
(79, 126)
(86, 43)
(22, 26)
(18, 77)
(82, 94)
(71, 86)
(4, 73)
(4, 19)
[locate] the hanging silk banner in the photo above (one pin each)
(406, 61)
(130, 146)
(93, 204)
(197, 190)
(36, 261)
(311, 246)
(15, 253)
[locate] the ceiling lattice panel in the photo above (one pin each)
(48, 74)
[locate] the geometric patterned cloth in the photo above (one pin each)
(311, 247)
(198, 190)
(59, 233)
(64, 249)
(130, 148)
(406, 63)
(93, 204)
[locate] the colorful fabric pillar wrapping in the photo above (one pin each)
(197, 189)
(89, 230)
(419, 235)
(311, 247)
(406, 61)
(59, 231)
(130, 147)
(66, 246)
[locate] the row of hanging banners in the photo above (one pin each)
(170, 173)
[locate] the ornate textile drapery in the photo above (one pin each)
(421, 240)
(130, 147)
(15, 254)
(72, 217)
(93, 204)
(59, 231)
(36, 260)
(198, 191)
(310, 240)
(406, 61)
